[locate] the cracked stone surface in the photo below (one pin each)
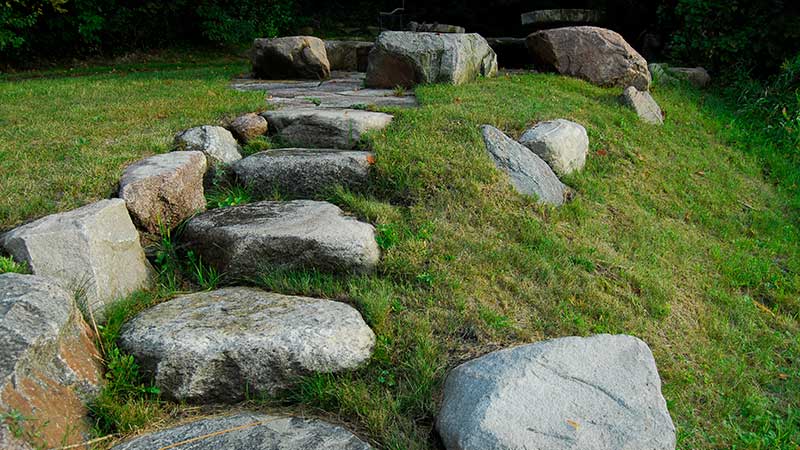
(217, 346)
(597, 393)
(324, 128)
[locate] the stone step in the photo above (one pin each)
(324, 128)
(243, 241)
(250, 431)
(222, 345)
(302, 172)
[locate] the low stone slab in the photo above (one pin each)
(528, 173)
(562, 16)
(218, 144)
(697, 76)
(290, 57)
(404, 58)
(93, 250)
(219, 346)
(248, 126)
(49, 366)
(561, 143)
(243, 241)
(324, 128)
(303, 172)
(163, 190)
(250, 431)
(348, 55)
(597, 393)
(643, 103)
(434, 28)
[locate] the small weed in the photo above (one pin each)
(316, 101)
(205, 276)
(426, 278)
(387, 236)
(8, 265)
(360, 106)
(256, 145)
(225, 196)
(399, 91)
(494, 320)
(167, 261)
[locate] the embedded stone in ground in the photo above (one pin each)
(643, 103)
(217, 143)
(244, 241)
(404, 58)
(561, 143)
(248, 126)
(93, 250)
(222, 345)
(303, 172)
(597, 393)
(348, 55)
(165, 189)
(594, 54)
(49, 366)
(324, 128)
(663, 73)
(528, 173)
(250, 431)
(290, 57)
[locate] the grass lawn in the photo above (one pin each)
(675, 236)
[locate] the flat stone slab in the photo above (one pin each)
(49, 365)
(597, 393)
(563, 144)
(303, 172)
(324, 128)
(93, 250)
(250, 431)
(243, 241)
(643, 103)
(528, 173)
(218, 144)
(554, 16)
(219, 346)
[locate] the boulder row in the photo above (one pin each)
(248, 126)
(561, 143)
(219, 346)
(403, 58)
(597, 393)
(218, 144)
(324, 128)
(244, 241)
(643, 103)
(49, 366)
(290, 57)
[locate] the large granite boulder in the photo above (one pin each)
(218, 144)
(403, 58)
(528, 173)
(302, 172)
(163, 190)
(597, 393)
(561, 143)
(290, 57)
(350, 56)
(244, 241)
(324, 128)
(594, 54)
(93, 250)
(250, 431)
(248, 126)
(49, 366)
(219, 346)
(643, 103)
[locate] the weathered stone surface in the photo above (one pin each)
(528, 173)
(663, 73)
(48, 363)
(562, 16)
(248, 126)
(597, 393)
(642, 102)
(594, 54)
(303, 172)
(402, 58)
(561, 143)
(165, 189)
(250, 431)
(217, 346)
(217, 143)
(243, 241)
(348, 55)
(324, 128)
(511, 52)
(290, 57)
(94, 250)
(434, 28)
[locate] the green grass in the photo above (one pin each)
(676, 235)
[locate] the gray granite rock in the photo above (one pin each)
(434, 28)
(290, 57)
(597, 393)
(324, 128)
(561, 143)
(217, 143)
(404, 58)
(248, 126)
(250, 431)
(561, 16)
(303, 172)
(93, 250)
(665, 74)
(218, 346)
(165, 189)
(348, 55)
(49, 365)
(243, 241)
(528, 173)
(643, 103)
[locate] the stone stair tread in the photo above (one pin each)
(323, 127)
